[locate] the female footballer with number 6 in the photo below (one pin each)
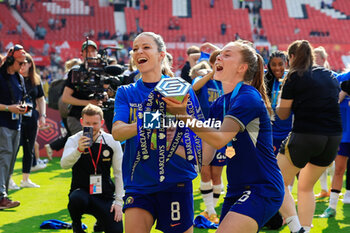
(255, 186)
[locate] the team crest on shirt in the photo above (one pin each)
(106, 153)
(129, 200)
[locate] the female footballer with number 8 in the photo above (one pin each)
(168, 200)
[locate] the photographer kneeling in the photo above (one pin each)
(76, 97)
(90, 154)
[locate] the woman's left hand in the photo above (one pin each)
(175, 107)
(42, 121)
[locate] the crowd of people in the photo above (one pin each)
(277, 122)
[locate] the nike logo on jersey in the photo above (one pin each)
(176, 224)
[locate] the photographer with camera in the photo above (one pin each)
(12, 107)
(77, 97)
(91, 153)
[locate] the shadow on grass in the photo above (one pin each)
(337, 225)
(334, 224)
(53, 166)
(32, 224)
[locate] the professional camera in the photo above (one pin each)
(95, 76)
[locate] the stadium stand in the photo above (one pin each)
(197, 26)
(314, 25)
(9, 24)
(283, 22)
(81, 17)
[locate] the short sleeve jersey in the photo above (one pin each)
(345, 110)
(254, 165)
(315, 102)
(145, 178)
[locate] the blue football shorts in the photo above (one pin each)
(172, 208)
(219, 159)
(251, 204)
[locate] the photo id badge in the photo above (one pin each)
(15, 116)
(95, 184)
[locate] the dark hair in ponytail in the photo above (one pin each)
(303, 57)
(255, 72)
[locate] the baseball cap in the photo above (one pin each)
(88, 43)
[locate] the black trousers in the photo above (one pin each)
(81, 202)
(59, 143)
(29, 129)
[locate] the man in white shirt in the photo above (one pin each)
(92, 190)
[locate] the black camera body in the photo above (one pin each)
(95, 76)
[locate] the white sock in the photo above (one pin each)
(216, 193)
(207, 195)
(307, 229)
(323, 181)
(333, 200)
(347, 192)
(293, 223)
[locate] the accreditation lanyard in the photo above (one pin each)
(233, 95)
(274, 94)
(98, 157)
(219, 89)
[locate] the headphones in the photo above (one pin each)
(9, 58)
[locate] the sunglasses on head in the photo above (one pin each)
(17, 47)
(21, 62)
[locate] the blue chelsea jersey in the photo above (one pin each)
(254, 165)
(280, 128)
(145, 179)
(345, 109)
(208, 94)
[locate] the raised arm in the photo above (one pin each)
(217, 138)
(201, 82)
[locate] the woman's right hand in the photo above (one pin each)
(17, 109)
(208, 47)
